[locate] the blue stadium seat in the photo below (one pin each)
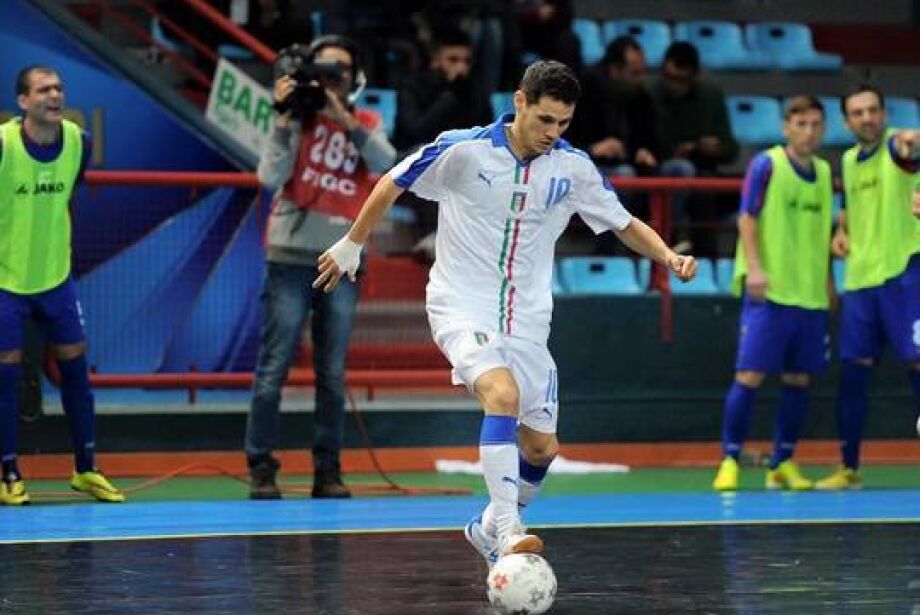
(502, 102)
(756, 120)
(588, 32)
(725, 270)
(903, 112)
(720, 44)
(838, 266)
(644, 267)
(703, 284)
(585, 275)
(382, 101)
(653, 36)
(789, 46)
(557, 286)
(836, 133)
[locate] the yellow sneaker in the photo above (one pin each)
(13, 493)
(97, 485)
(788, 476)
(727, 476)
(842, 478)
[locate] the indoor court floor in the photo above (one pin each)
(751, 553)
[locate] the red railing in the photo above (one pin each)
(659, 189)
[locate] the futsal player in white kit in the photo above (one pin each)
(506, 192)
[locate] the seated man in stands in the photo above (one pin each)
(694, 132)
(443, 97)
(615, 121)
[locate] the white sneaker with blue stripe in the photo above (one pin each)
(484, 543)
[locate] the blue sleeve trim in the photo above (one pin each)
(756, 181)
(498, 430)
(431, 152)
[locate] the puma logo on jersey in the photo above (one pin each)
(487, 176)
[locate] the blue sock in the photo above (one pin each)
(77, 399)
(852, 402)
(530, 481)
(739, 405)
(913, 375)
(10, 376)
(793, 405)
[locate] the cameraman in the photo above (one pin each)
(321, 160)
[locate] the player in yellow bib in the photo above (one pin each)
(879, 236)
(781, 267)
(42, 157)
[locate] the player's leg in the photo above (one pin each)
(860, 345)
(538, 378)
(333, 316)
(499, 397)
(900, 310)
(12, 312)
(58, 312)
(759, 352)
(807, 354)
(285, 301)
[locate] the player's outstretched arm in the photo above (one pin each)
(345, 254)
(641, 238)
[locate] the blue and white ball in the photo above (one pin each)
(521, 584)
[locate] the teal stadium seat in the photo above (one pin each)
(903, 112)
(703, 284)
(653, 36)
(721, 45)
(502, 103)
(836, 133)
(755, 120)
(725, 270)
(588, 32)
(789, 46)
(586, 275)
(383, 101)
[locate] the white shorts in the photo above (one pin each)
(472, 353)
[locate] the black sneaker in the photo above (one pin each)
(262, 472)
(328, 484)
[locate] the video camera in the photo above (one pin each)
(309, 95)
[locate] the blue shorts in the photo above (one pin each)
(56, 311)
(776, 339)
(890, 312)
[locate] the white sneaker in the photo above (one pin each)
(484, 543)
(513, 537)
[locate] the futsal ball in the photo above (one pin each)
(521, 584)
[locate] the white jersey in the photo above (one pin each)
(498, 222)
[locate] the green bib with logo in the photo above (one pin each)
(34, 211)
(793, 235)
(883, 231)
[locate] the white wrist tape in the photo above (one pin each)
(347, 255)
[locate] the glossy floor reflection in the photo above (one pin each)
(745, 569)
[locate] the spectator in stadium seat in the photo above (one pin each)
(782, 270)
(615, 121)
(444, 96)
(42, 157)
(694, 132)
(506, 193)
(321, 164)
(879, 236)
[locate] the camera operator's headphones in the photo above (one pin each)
(358, 79)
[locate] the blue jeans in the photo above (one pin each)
(287, 298)
(678, 167)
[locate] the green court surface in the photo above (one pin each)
(642, 480)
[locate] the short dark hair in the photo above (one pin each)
(24, 77)
(550, 78)
(616, 50)
(801, 104)
(860, 89)
(449, 37)
(683, 55)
